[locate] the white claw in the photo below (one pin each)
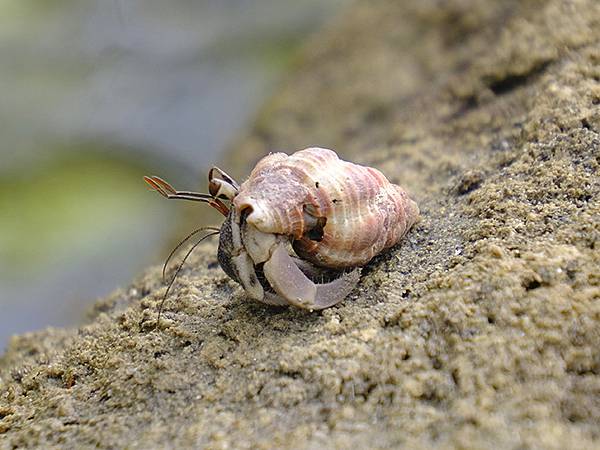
(294, 286)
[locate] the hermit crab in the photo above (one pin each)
(300, 227)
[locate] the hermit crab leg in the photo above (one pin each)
(311, 271)
(168, 191)
(271, 298)
(286, 278)
(241, 264)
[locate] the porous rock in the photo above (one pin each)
(481, 330)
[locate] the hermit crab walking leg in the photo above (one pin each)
(286, 278)
(236, 260)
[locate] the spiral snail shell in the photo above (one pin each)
(361, 212)
(335, 214)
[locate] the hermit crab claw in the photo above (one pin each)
(290, 283)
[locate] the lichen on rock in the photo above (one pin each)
(481, 330)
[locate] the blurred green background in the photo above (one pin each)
(93, 95)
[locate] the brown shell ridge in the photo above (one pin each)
(276, 195)
(365, 213)
(369, 223)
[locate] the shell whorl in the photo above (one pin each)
(364, 212)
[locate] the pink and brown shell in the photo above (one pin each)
(338, 214)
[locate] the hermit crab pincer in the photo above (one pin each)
(334, 215)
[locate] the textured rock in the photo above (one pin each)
(480, 331)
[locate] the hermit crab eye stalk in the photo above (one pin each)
(224, 186)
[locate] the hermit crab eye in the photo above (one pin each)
(221, 185)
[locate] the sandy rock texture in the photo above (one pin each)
(481, 330)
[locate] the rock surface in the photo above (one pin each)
(481, 330)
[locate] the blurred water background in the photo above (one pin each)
(96, 93)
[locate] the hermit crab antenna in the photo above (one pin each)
(168, 191)
(183, 241)
(179, 267)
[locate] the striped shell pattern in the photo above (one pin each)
(361, 212)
